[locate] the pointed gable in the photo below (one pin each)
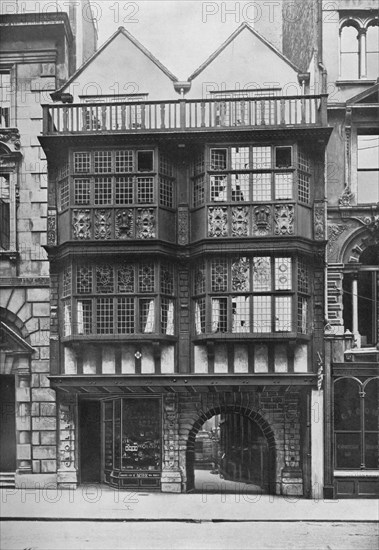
(245, 61)
(121, 66)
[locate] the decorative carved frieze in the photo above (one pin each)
(124, 223)
(66, 454)
(346, 197)
(51, 228)
(334, 231)
(183, 225)
(319, 221)
(240, 221)
(11, 136)
(102, 224)
(284, 219)
(262, 220)
(81, 223)
(217, 221)
(145, 223)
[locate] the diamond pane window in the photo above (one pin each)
(261, 158)
(241, 275)
(240, 158)
(104, 279)
(103, 162)
(124, 161)
(84, 280)
(124, 190)
(84, 317)
(283, 186)
(218, 188)
(146, 281)
(104, 315)
(145, 190)
(240, 187)
(198, 191)
(261, 314)
(219, 274)
(283, 274)
(219, 314)
(82, 162)
(125, 316)
(167, 279)
(125, 279)
(261, 273)
(218, 159)
(283, 314)
(82, 190)
(103, 191)
(261, 187)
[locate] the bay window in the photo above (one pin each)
(118, 299)
(253, 295)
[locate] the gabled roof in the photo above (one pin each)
(232, 37)
(369, 96)
(145, 51)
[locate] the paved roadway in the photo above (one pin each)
(105, 535)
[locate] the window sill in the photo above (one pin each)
(355, 82)
(356, 473)
(227, 336)
(130, 338)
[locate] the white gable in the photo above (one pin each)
(121, 67)
(246, 62)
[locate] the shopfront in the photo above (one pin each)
(132, 448)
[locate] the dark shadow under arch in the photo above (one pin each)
(247, 413)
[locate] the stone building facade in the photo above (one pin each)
(36, 55)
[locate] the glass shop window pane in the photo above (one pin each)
(141, 434)
(348, 451)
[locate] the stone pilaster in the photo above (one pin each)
(171, 481)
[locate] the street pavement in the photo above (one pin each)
(98, 517)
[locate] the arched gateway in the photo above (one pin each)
(247, 451)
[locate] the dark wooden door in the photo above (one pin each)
(90, 441)
(8, 424)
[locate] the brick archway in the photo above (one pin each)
(253, 416)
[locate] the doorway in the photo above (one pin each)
(8, 424)
(229, 453)
(90, 441)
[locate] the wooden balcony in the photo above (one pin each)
(185, 115)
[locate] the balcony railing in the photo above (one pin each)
(183, 115)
